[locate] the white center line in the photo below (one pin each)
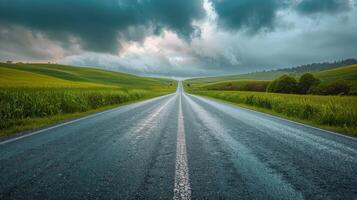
(182, 188)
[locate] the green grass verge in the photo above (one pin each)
(24, 109)
(32, 124)
(333, 113)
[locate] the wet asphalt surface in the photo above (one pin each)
(225, 152)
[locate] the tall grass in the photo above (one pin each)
(332, 111)
(17, 104)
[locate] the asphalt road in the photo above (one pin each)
(179, 146)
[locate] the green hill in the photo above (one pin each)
(348, 73)
(12, 78)
(49, 75)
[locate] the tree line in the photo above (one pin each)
(313, 67)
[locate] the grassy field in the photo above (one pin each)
(329, 112)
(35, 95)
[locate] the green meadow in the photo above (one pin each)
(346, 73)
(36, 95)
(336, 113)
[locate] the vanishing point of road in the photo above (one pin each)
(179, 146)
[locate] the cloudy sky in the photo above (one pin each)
(178, 37)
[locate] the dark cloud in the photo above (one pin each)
(322, 6)
(251, 15)
(99, 24)
(82, 32)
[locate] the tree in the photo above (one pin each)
(307, 81)
(284, 84)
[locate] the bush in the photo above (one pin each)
(284, 84)
(306, 82)
(339, 87)
(258, 86)
(317, 90)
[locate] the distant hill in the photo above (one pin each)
(272, 74)
(348, 73)
(315, 67)
(52, 75)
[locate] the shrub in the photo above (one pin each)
(258, 86)
(284, 84)
(339, 87)
(316, 90)
(307, 81)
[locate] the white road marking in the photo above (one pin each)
(182, 188)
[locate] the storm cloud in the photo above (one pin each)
(178, 37)
(251, 15)
(100, 25)
(323, 6)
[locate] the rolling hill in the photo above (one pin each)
(348, 73)
(273, 74)
(49, 75)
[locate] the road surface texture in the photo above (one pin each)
(179, 146)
